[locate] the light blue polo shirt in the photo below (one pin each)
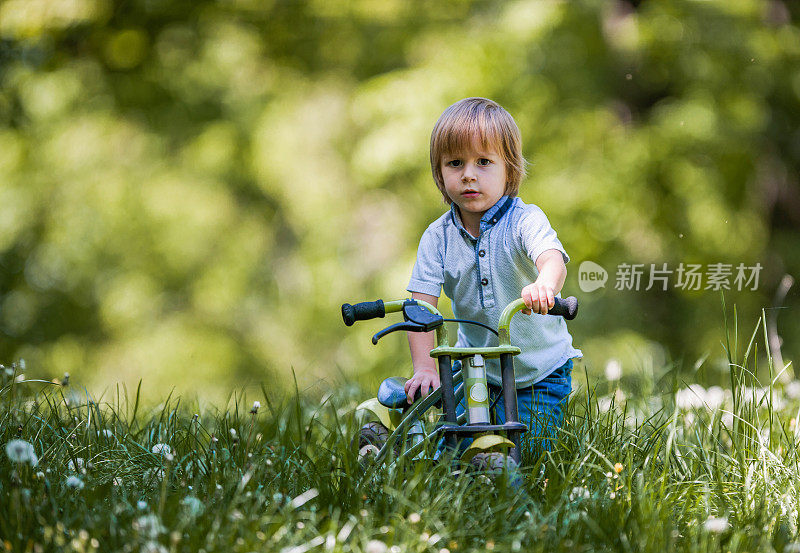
(482, 275)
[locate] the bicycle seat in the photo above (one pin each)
(392, 392)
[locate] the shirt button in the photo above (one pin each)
(481, 253)
(494, 220)
(484, 281)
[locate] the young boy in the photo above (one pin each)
(489, 249)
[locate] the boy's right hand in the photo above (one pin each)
(425, 380)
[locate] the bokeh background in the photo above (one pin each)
(190, 189)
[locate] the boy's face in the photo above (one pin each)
(474, 180)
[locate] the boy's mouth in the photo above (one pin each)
(470, 193)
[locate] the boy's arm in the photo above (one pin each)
(426, 375)
(539, 296)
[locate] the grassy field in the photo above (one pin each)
(692, 470)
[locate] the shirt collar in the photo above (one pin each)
(489, 219)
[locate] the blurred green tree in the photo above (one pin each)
(188, 190)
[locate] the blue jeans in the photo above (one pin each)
(540, 408)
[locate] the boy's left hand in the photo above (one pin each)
(539, 298)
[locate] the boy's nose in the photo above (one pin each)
(468, 175)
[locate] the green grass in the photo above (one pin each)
(287, 479)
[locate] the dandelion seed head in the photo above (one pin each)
(233, 432)
(414, 518)
(20, 451)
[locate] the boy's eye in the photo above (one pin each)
(454, 163)
(483, 161)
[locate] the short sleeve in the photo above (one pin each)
(428, 274)
(536, 235)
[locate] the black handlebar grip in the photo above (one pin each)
(565, 307)
(362, 311)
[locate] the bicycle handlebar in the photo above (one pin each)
(363, 311)
(565, 307)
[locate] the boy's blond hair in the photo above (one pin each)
(491, 125)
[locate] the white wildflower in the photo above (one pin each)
(152, 547)
(256, 407)
(716, 525)
(604, 403)
(153, 474)
(76, 465)
(149, 526)
(142, 505)
(613, 370)
(376, 546)
(20, 451)
(578, 492)
(714, 398)
(689, 398)
(792, 389)
(193, 505)
(108, 434)
(233, 433)
(727, 420)
(75, 483)
(162, 449)
(414, 518)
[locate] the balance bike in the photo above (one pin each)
(399, 427)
